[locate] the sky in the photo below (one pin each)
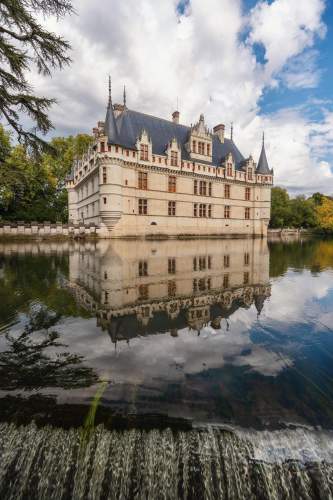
(263, 65)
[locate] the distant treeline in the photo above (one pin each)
(32, 188)
(314, 212)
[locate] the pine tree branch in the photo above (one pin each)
(24, 42)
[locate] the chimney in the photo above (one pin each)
(175, 117)
(118, 109)
(100, 127)
(219, 131)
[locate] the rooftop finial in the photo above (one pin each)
(124, 96)
(263, 139)
(232, 131)
(110, 89)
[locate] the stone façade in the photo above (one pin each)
(148, 177)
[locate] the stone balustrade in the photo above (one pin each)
(47, 229)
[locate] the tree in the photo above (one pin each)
(33, 188)
(280, 210)
(24, 43)
(5, 145)
(325, 214)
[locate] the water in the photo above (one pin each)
(170, 369)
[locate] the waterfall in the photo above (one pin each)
(211, 463)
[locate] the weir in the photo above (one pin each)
(162, 464)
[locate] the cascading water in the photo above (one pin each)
(52, 463)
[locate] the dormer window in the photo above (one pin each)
(174, 158)
(201, 148)
(249, 174)
(144, 152)
(194, 146)
(229, 170)
(208, 151)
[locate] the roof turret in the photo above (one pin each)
(263, 167)
(110, 127)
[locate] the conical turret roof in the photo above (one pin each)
(262, 167)
(111, 130)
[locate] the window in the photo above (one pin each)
(202, 210)
(247, 213)
(246, 259)
(208, 151)
(106, 297)
(172, 266)
(102, 147)
(174, 158)
(201, 148)
(195, 285)
(209, 262)
(210, 211)
(194, 263)
(143, 268)
(143, 180)
(144, 152)
(249, 174)
(202, 263)
(104, 200)
(195, 187)
(247, 194)
(143, 206)
(226, 281)
(104, 176)
(246, 278)
(143, 292)
(226, 260)
(229, 170)
(171, 208)
(171, 288)
(202, 284)
(116, 149)
(203, 188)
(210, 189)
(172, 184)
(227, 191)
(194, 146)
(227, 212)
(195, 210)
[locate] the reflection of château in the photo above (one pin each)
(140, 287)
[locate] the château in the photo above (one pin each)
(144, 176)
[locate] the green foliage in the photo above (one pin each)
(33, 187)
(297, 212)
(25, 43)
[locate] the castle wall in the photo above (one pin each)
(106, 190)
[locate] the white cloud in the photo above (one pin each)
(201, 58)
(285, 28)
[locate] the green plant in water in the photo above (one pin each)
(89, 422)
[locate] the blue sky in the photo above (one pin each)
(263, 65)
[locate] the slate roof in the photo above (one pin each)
(131, 123)
(263, 167)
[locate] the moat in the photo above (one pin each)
(170, 369)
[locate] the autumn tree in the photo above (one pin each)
(26, 44)
(324, 213)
